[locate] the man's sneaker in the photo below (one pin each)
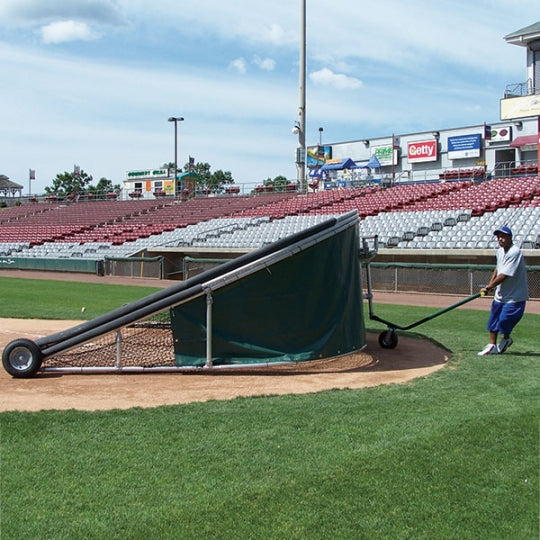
(488, 349)
(504, 344)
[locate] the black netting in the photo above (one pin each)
(148, 343)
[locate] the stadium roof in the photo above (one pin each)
(6, 184)
(525, 35)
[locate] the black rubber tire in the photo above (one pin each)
(388, 339)
(22, 358)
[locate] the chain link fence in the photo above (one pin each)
(462, 280)
(135, 267)
(452, 279)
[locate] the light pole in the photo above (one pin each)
(320, 153)
(175, 119)
(320, 149)
(300, 125)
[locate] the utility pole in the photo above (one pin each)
(301, 125)
(175, 119)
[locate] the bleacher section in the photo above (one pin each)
(453, 229)
(461, 173)
(442, 215)
(117, 222)
(526, 169)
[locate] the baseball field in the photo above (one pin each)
(447, 448)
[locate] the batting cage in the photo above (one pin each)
(295, 300)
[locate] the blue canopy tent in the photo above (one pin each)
(337, 165)
(347, 163)
(373, 162)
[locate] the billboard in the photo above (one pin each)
(501, 134)
(384, 154)
(464, 146)
(420, 151)
(520, 107)
(318, 155)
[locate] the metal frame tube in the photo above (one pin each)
(118, 363)
(168, 296)
(207, 281)
(209, 303)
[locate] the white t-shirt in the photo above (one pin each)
(512, 264)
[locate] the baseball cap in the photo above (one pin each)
(503, 230)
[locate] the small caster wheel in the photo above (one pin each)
(388, 339)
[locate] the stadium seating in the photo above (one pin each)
(462, 173)
(439, 215)
(526, 169)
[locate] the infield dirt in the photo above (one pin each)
(373, 366)
(370, 367)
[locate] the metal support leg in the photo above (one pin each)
(209, 302)
(118, 363)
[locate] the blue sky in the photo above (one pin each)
(92, 82)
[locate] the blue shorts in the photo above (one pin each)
(504, 316)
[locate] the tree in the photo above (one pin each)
(215, 182)
(69, 182)
(278, 183)
(202, 170)
(219, 180)
(103, 187)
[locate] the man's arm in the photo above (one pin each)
(494, 281)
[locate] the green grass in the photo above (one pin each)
(45, 299)
(450, 456)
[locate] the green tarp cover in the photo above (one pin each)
(305, 307)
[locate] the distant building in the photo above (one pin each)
(148, 183)
(496, 149)
(9, 188)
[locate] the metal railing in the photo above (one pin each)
(510, 169)
(462, 280)
(520, 89)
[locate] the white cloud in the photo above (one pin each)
(239, 65)
(275, 23)
(418, 67)
(115, 118)
(62, 31)
(326, 77)
(266, 64)
(23, 12)
(277, 35)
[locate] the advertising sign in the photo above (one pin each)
(420, 151)
(464, 146)
(148, 173)
(501, 134)
(384, 154)
(520, 107)
(318, 155)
